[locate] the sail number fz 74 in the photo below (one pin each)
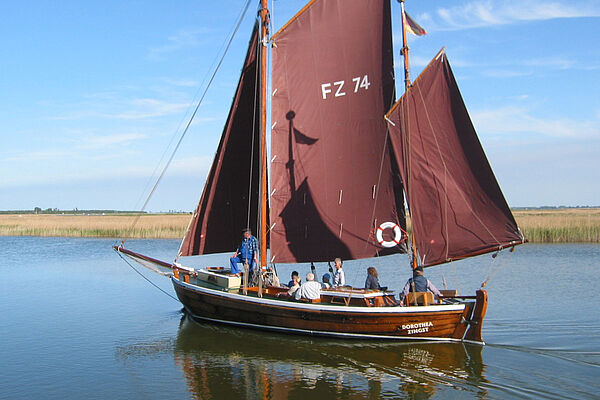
(338, 89)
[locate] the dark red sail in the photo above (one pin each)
(333, 179)
(456, 205)
(225, 208)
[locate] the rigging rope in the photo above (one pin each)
(376, 194)
(164, 170)
(143, 276)
(492, 272)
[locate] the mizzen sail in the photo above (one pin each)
(333, 175)
(457, 208)
(229, 202)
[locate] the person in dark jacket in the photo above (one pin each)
(326, 280)
(418, 283)
(372, 282)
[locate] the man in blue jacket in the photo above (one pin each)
(418, 283)
(247, 251)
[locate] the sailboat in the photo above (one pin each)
(344, 156)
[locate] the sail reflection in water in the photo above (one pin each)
(221, 362)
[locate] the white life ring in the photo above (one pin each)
(397, 234)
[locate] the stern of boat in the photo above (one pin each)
(476, 320)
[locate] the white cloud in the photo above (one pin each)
(514, 119)
(37, 155)
(191, 165)
(504, 69)
(505, 73)
(182, 82)
(184, 167)
(102, 141)
(477, 14)
(147, 108)
(419, 62)
(182, 39)
(560, 63)
(139, 108)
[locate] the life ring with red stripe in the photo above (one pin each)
(397, 234)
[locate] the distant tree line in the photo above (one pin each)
(39, 210)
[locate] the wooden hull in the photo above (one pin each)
(437, 322)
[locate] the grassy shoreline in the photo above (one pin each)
(148, 226)
(568, 225)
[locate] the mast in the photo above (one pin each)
(264, 31)
(406, 86)
(405, 49)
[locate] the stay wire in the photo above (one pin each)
(182, 121)
(492, 271)
(164, 170)
(144, 276)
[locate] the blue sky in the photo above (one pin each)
(94, 92)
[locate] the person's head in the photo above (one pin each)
(295, 276)
(326, 278)
(372, 271)
(338, 263)
(418, 271)
(247, 233)
(310, 277)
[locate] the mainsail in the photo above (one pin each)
(457, 208)
(229, 202)
(332, 170)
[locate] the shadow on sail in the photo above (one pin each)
(305, 229)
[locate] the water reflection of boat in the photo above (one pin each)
(223, 362)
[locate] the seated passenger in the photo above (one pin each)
(372, 282)
(310, 289)
(296, 277)
(293, 286)
(418, 283)
(326, 279)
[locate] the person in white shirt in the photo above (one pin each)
(310, 289)
(339, 279)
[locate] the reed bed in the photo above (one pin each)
(569, 225)
(562, 225)
(158, 226)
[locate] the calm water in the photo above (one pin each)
(77, 322)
